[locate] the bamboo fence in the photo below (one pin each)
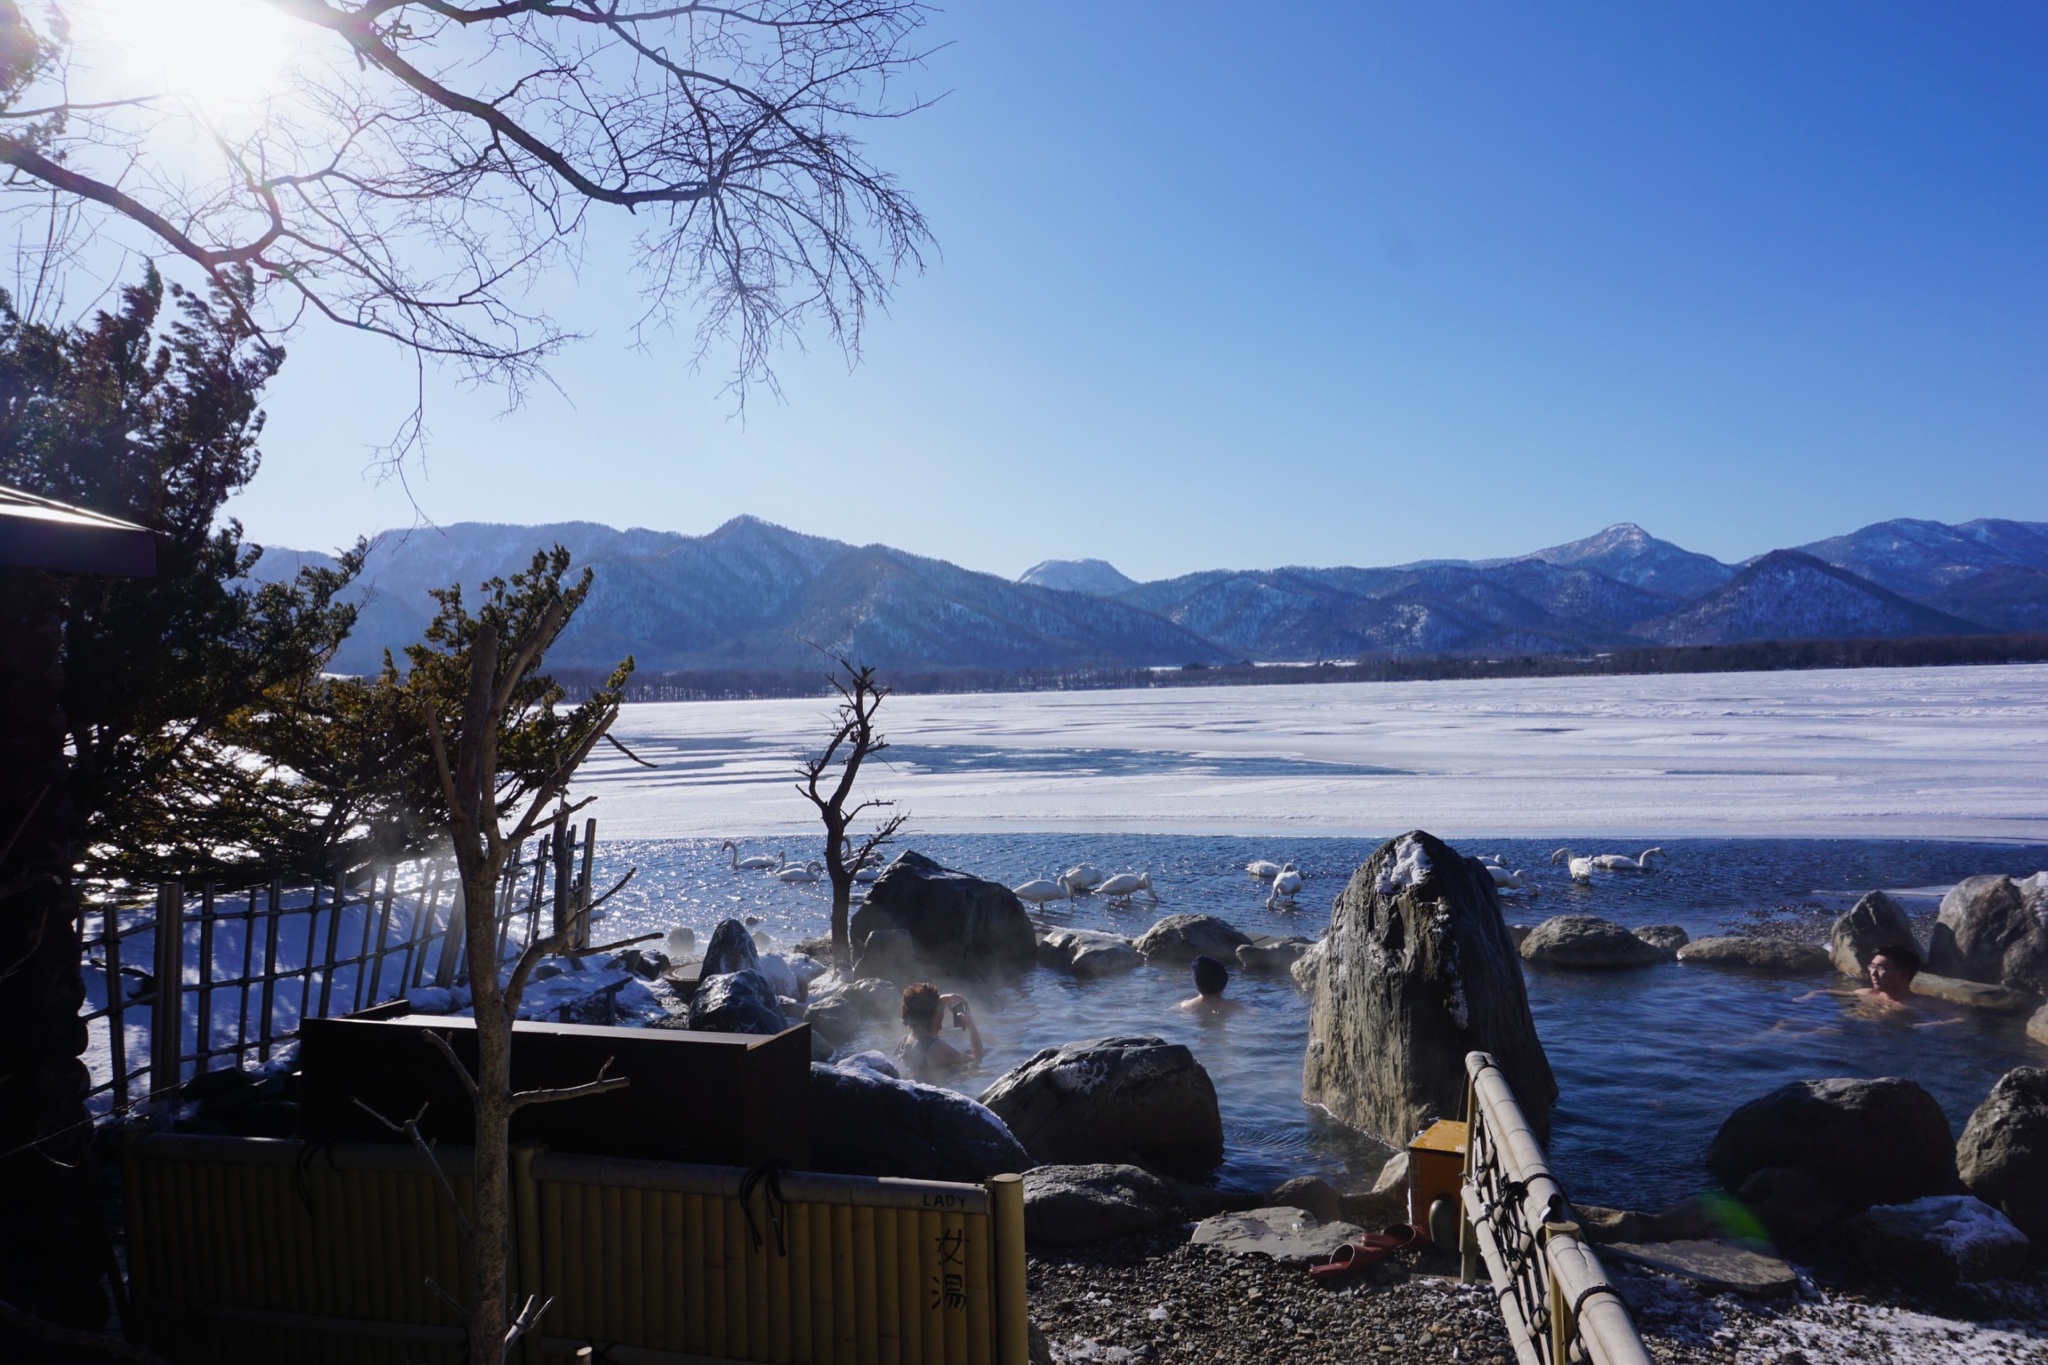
(222, 979)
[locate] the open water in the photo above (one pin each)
(1648, 1062)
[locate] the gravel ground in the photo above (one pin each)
(1158, 1299)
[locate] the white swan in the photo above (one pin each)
(866, 873)
(1580, 868)
(1082, 878)
(1504, 880)
(804, 875)
(1125, 885)
(1264, 869)
(1039, 890)
(1621, 862)
(1287, 882)
(869, 867)
(760, 862)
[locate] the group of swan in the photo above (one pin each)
(792, 874)
(1582, 869)
(1285, 877)
(1085, 879)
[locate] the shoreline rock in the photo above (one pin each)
(1977, 995)
(1995, 930)
(1740, 953)
(2002, 1155)
(1589, 942)
(1183, 938)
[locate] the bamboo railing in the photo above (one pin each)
(1553, 1294)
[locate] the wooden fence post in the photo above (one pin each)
(117, 1037)
(167, 1020)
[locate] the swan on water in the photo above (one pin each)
(1504, 880)
(1621, 862)
(1125, 885)
(1082, 878)
(1039, 890)
(760, 862)
(1580, 868)
(866, 873)
(1264, 869)
(1287, 882)
(800, 875)
(870, 865)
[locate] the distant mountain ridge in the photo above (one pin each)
(755, 596)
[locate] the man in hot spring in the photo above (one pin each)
(1211, 977)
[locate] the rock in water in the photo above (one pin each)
(1138, 1100)
(1875, 921)
(1844, 1144)
(736, 1002)
(1588, 941)
(1272, 955)
(731, 950)
(1308, 967)
(1994, 929)
(2037, 1026)
(1417, 970)
(866, 1122)
(1183, 938)
(957, 922)
(834, 1018)
(1669, 937)
(2003, 1154)
(1070, 1205)
(1088, 953)
(1947, 1236)
(1978, 995)
(1747, 954)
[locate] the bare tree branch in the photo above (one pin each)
(425, 162)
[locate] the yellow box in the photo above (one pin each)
(1436, 1168)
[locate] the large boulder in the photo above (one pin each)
(1588, 941)
(1744, 953)
(1994, 929)
(1944, 1236)
(2037, 1026)
(1183, 938)
(2003, 1153)
(1137, 1100)
(866, 1120)
(834, 1018)
(1070, 1205)
(1813, 1152)
(732, 949)
(1307, 968)
(736, 1002)
(1978, 995)
(955, 921)
(1875, 921)
(1417, 970)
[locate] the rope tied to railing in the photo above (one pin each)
(767, 1177)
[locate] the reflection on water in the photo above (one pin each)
(1648, 1062)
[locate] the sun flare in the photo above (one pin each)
(227, 56)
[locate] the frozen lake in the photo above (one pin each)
(1952, 753)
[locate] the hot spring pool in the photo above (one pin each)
(1648, 1062)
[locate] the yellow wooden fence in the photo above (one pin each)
(263, 1249)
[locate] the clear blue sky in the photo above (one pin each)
(1340, 283)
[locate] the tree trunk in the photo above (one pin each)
(491, 1247)
(51, 1234)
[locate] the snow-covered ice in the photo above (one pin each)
(1930, 752)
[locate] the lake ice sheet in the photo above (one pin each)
(1958, 753)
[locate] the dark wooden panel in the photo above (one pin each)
(725, 1099)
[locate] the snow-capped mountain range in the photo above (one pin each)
(755, 596)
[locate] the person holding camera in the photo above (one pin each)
(924, 1019)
